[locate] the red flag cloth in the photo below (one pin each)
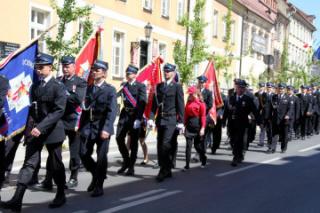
(87, 55)
(306, 45)
(150, 75)
(85, 58)
(213, 86)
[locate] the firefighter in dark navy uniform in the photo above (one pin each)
(168, 105)
(96, 126)
(240, 105)
(75, 88)
(44, 127)
(4, 87)
(131, 117)
(282, 111)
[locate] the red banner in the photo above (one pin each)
(87, 55)
(84, 60)
(213, 86)
(150, 75)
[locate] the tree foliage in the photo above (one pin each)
(67, 14)
(198, 47)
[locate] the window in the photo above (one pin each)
(163, 50)
(215, 24)
(147, 4)
(180, 9)
(118, 56)
(224, 25)
(40, 21)
(165, 8)
(233, 32)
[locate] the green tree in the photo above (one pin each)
(223, 62)
(69, 13)
(283, 74)
(195, 28)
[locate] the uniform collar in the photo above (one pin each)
(47, 79)
(98, 84)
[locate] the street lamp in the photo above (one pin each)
(147, 31)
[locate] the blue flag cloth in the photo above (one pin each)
(317, 54)
(19, 70)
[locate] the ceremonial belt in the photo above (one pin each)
(129, 96)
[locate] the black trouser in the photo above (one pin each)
(237, 133)
(290, 129)
(2, 162)
(165, 142)
(199, 145)
(316, 123)
(303, 125)
(98, 169)
(216, 135)
(32, 160)
(122, 130)
(174, 149)
(309, 126)
(281, 129)
(251, 132)
(268, 126)
(11, 150)
(74, 163)
(74, 148)
(297, 127)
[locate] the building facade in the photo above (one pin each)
(123, 21)
(301, 29)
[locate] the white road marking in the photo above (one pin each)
(310, 148)
(144, 194)
(139, 202)
(247, 167)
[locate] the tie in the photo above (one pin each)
(42, 83)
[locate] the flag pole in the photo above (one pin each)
(88, 40)
(7, 59)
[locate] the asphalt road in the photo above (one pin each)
(263, 183)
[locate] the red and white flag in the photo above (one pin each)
(87, 55)
(150, 75)
(213, 85)
(84, 60)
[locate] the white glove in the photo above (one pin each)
(150, 124)
(136, 124)
(180, 126)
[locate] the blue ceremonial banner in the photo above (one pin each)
(317, 54)
(18, 68)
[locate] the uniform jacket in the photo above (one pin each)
(75, 89)
(49, 102)
(281, 107)
(138, 92)
(316, 107)
(266, 101)
(305, 103)
(238, 110)
(207, 97)
(168, 103)
(4, 86)
(100, 111)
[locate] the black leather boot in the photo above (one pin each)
(98, 189)
(60, 198)
(15, 203)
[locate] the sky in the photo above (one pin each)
(311, 7)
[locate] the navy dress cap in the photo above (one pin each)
(289, 87)
(282, 85)
(202, 78)
(261, 84)
(314, 84)
(242, 83)
(269, 84)
(44, 59)
(303, 87)
(236, 80)
(98, 64)
(67, 60)
(169, 67)
(132, 69)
